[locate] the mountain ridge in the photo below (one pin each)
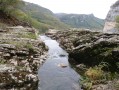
(43, 15)
(43, 19)
(81, 20)
(32, 14)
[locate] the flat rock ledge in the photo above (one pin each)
(20, 58)
(88, 47)
(91, 48)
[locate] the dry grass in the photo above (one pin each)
(94, 73)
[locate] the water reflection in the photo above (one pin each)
(53, 75)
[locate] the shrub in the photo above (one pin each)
(29, 46)
(8, 5)
(94, 73)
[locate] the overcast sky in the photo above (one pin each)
(99, 8)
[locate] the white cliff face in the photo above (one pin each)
(110, 19)
(110, 27)
(113, 12)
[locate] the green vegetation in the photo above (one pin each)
(96, 75)
(82, 21)
(28, 35)
(30, 47)
(20, 44)
(16, 43)
(8, 5)
(117, 20)
(31, 15)
(20, 15)
(2, 61)
(38, 17)
(43, 17)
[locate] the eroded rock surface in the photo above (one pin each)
(90, 49)
(20, 56)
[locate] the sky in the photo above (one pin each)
(99, 8)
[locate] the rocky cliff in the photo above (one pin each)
(110, 19)
(21, 54)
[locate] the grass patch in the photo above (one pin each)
(28, 35)
(2, 61)
(20, 44)
(16, 43)
(29, 46)
(96, 75)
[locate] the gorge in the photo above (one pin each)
(74, 53)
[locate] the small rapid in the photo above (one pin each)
(56, 73)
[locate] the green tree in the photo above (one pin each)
(8, 5)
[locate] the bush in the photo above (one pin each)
(94, 73)
(20, 15)
(8, 5)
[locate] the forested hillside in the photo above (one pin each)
(7, 10)
(42, 15)
(81, 21)
(22, 13)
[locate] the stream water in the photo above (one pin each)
(56, 73)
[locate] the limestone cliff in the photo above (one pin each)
(110, 19)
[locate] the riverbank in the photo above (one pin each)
(98, 52)
(21, 55)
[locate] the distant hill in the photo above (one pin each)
(43, 15)
(33, 15)
(27, 14)
(81, 20)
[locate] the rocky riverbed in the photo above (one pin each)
(92, 49)
(21, 54)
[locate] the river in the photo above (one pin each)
(56, 73)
